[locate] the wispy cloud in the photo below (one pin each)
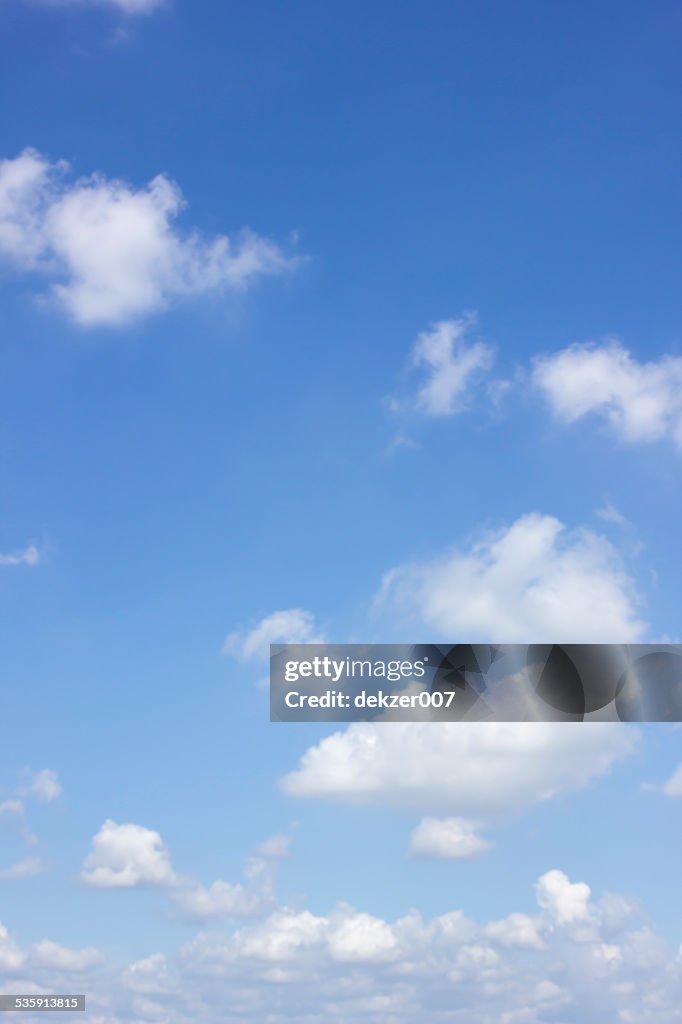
(30, 555)
(126, 6)
(450, 367)
(290, 626)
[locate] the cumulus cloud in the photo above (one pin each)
(29, 555)
(521, 969)
(419, 765)
(450, 368)
(521, 584)
(112, 252)
(517, 931)
(130, 856)
(563, 900)
(44, 955)
(449, 838)
(291, 626)
(221, 899)
(125, 856)
(51, 954)
(640, 401)
(563, 961)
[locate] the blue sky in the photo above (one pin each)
(351, 324)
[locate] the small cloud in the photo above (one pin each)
(44, 785)
(641, 402)
(11, 808)
(29, 555)
(451, 368)
(126, 856)
(130, 7)
(610, 514)
(448, 838)
(23, 869)
(221, 899)
(292, 626)
(566, 902)
(673, 787)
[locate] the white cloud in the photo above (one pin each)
(291, 626)
(517, 931)
(526, 583)
(133, 6)
(359, 937)
(22, 869)
(11, 957)
(221, 899)
(281, 936)
(128, 856)
(149, 976)
(640, 401)
(11, 808)
(475, 770)
(44, 785)
(673, 787)
(111, 251)
(124, 856)
(29, 555)
(451, 367)
(51, 954)
(125, 6)
(519, 970)
(564, 901)
(451, 838)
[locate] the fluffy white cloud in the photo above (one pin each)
(111, 251)
(11, 957)
(221, 899)
(474, 770)
(124, 856)
(640, 401)
(128, 856)
(532, 581)
(563, 900)
(291, 626)
(673, 787)
(51, 954)
(520, 970)
(451, 838)
(517, 931)
(44, 785)
(450, 367)
(29, 555)
(561, 963)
